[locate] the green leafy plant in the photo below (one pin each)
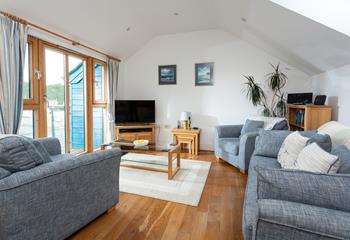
(276, 81)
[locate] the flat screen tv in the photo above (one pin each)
(135, 111)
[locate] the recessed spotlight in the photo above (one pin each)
(243, 19)
(128, 29)
(176, 14)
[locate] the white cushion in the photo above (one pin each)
(314, 159)
(291, 147)
(339, 133)
(269, 122)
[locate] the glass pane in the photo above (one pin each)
(27, 127)
(55, 93)
(99, 82)
(27, 88)
(99, 126)
(77, 104)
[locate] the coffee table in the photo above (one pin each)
(172, 161)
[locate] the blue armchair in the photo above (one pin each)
(237, 149)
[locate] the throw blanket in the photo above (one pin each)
(269, 122)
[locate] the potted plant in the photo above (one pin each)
(277, 107)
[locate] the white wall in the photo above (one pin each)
(223, 103)
(336, 85)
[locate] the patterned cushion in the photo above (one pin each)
(314, 159)
(18, 154)
(291, 147)
(251, 126)
(4, 173)
(343, 154)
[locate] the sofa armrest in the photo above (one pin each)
(57, 167)
(228, 131)
(51, 144)
(246, 148)
(323, 190)
(300, 220)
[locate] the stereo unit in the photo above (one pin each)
(299, 98)
(320, 99)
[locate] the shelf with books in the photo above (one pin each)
(308, 117)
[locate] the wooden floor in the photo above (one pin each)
(218, 216)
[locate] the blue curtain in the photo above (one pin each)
(13, 40)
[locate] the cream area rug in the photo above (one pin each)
(186, 187)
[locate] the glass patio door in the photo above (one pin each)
(65, 99)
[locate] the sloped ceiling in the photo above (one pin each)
(331, 13)
(305, 44)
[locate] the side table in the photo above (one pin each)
(191, 137)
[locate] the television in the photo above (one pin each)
(135, 111)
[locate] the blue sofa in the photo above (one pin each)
(237, 149)
(55, 199)
(284, 204)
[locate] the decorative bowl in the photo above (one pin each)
(141, 143)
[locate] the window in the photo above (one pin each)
(99, 90)
(55, 77)
(30, 79)
(30, 91)
(64, 96)
(99, 104)
(27, 127)
(76, 104)
(99, 126)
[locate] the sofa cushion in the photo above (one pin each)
(339, 133)
(290, 149)
(319, 189)
(282, 218)
(343, 154)
(18, 154)
(268, 143)
(230, 145)
(42, 151)
(322, 140)
(314, 159)
(251, 126)
(4, 173)
(281, 125)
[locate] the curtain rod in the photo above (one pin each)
(74, 43)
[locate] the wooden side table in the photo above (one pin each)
(191, 137)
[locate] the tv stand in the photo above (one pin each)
(135, 132)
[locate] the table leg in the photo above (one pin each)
(170, 165)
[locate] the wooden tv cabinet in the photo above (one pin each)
(135, 132)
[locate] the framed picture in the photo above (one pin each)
(204, 74)
(167, 74)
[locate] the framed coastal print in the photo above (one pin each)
(204, 74)
(167, 74)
